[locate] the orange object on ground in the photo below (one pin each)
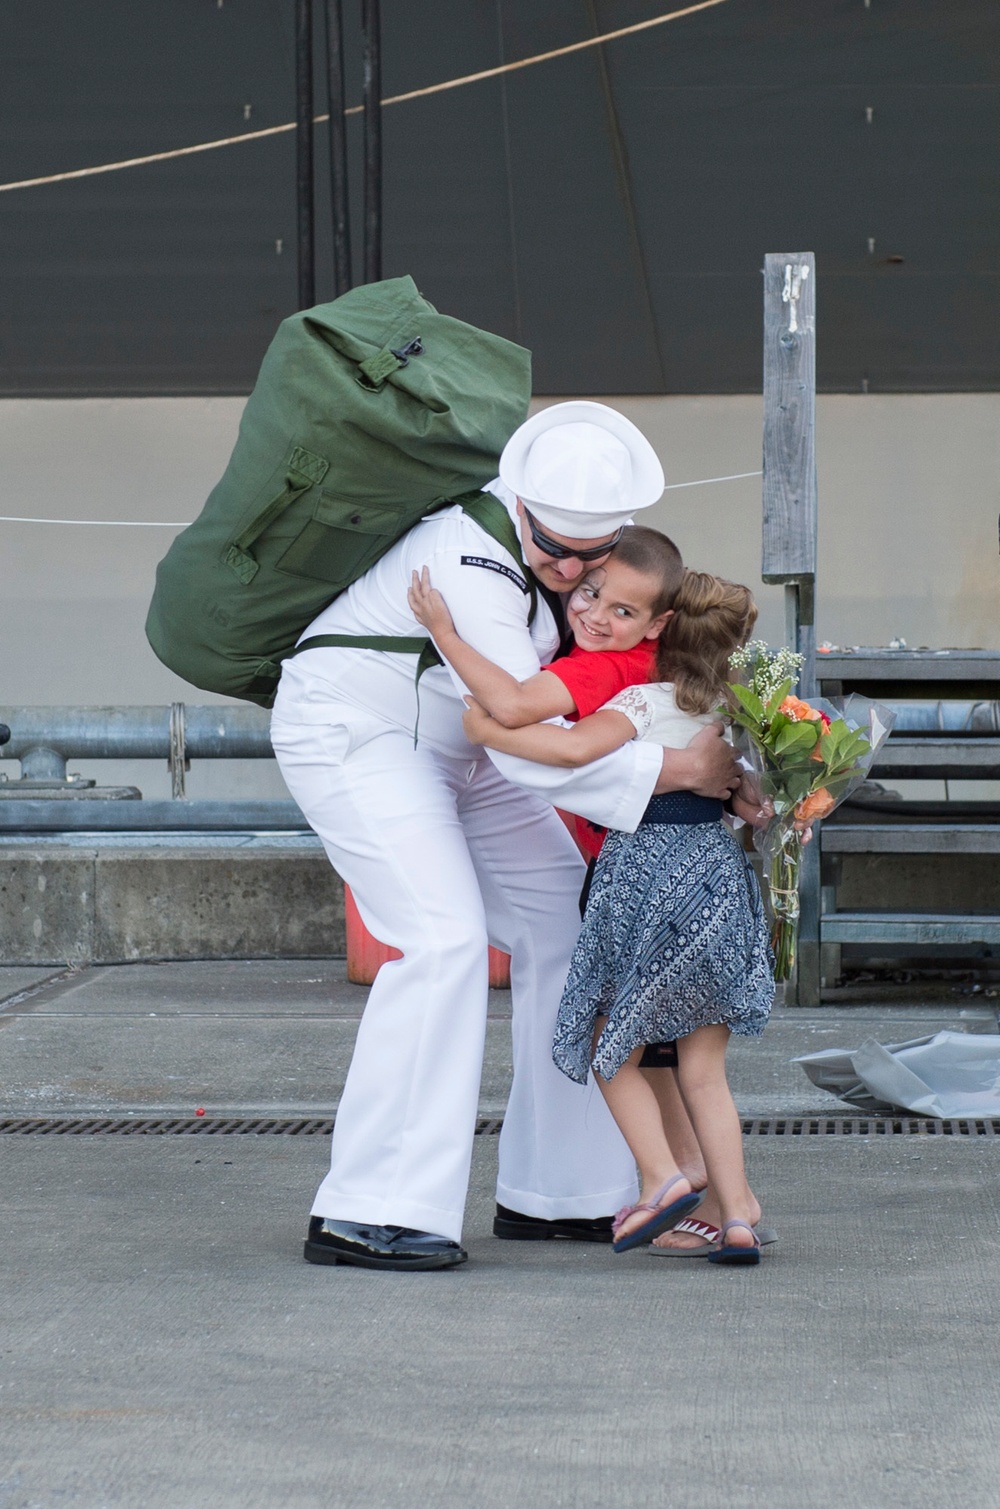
(366, 955)
(587, 837)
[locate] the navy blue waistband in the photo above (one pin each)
(682, 807)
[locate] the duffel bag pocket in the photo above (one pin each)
(343, 538)
(302, 471)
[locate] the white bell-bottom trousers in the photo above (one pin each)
(444, 856)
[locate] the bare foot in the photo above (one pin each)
(641, 1215)
(696, 1174)
(740, 1236)
(710, 1214)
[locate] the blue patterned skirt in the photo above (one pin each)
(673, 938)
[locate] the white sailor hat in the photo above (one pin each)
(581, 469)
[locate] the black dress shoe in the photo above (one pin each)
(517, 1227)
(379, 1246)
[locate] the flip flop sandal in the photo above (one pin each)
(661, 1216)
(709, 1235)
(745, 1257)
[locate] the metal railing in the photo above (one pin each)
(45, 739)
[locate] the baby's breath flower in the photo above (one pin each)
(767, 668)
(747, 654)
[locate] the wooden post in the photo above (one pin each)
(789, 520)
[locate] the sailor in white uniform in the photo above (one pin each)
(448, 848)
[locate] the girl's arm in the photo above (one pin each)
(512, 703)
(550, 743)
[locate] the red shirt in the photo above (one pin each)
(593, 677)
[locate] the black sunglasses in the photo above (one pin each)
(563, 552)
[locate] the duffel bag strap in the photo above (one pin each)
(489, 513)
(304, 470)
(399, 644)
(384, 363)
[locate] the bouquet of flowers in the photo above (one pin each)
(807, 757)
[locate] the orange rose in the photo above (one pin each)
(799, 711)
(817, 804)
(825, 724)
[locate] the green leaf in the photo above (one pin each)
(778, 698)
(749, 700)
(795, 737)
(858, 747)
(798, 787)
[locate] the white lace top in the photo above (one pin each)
(656, 716)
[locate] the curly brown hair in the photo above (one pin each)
(711, 619)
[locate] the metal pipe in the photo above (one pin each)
(44, 738)
(137, 733)
(373, 139)
(27, 815)
(339, 185)
(226, 732)
(304, 152)
(914, 717)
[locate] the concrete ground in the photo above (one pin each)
(163, 1345)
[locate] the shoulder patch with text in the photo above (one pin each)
(488, 565)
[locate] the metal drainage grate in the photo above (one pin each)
(486, 1126)
(187, 1126)
(868, 1126)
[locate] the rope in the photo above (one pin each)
(393, 99)
(104, 523)
(545, 57)
(704, 481)
(150, 524)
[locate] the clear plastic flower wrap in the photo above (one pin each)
(807, 757)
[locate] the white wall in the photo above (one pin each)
(909, 494)
(909, 490)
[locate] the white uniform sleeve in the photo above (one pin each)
(490, 611)
(613, 791)
(490, 608)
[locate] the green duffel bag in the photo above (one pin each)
(368, 413)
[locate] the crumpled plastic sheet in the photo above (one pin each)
(950, 1074)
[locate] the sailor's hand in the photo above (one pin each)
(707, 766)
(428, 606)
(749, 802)
(752, 808)
(758, 810)
(477, 722)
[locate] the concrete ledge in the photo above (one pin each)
(47, 906)
(112, 906)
